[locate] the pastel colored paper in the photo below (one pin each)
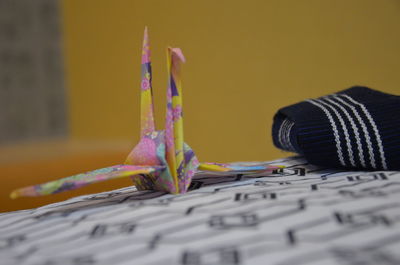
(161, 160)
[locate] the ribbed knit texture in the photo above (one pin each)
(355, 128)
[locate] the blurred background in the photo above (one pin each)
(70, 75)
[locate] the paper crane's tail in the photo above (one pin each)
(146, 95)
(174, 120)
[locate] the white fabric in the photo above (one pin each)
(299, 215)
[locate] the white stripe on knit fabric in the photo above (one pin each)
(334, 128)
(354, 127)
(284, 132)
(374, 127)
(289, 143)
(345, 131)
(280, 133)
(364, 128)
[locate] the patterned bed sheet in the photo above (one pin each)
(302, 214)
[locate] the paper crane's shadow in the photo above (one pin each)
(91, 202)
(131, 196)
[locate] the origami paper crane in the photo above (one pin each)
(161, 160)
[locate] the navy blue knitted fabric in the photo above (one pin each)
(355, 128)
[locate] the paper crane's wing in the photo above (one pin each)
(83, 179)
(236, 168)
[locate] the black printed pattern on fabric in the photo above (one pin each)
(356, 128)
(297, 215)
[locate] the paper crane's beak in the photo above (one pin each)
(177, 54)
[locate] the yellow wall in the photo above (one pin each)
(245, 59)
